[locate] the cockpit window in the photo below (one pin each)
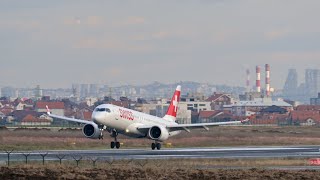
(102, 110)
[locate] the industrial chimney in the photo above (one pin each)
(248, 80)
(258, 84)
(268, 80)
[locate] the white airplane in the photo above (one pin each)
(132, 123)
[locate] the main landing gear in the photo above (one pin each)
(155, 145)
(115, 143)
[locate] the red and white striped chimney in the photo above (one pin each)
(268, 80)
(258, 84)
(248, 80)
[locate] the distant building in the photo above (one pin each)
(308, 108)
(250, 96)
(18, 116)
(218, 100)
(312, 80)
(196, 106)
(291, 85)
(84, 113)
(293, 103)
(274, 109)
(125, 104)
(305, 117)
(192, 97)
(30, 120)
(184, 115)
(270, 119)
(84, 90)
(55, 107)
(315, 101)
(94, 90)
(247, 108)
(9, 92)
(38, 92)
(90, 101)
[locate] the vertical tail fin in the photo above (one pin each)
(173, 108)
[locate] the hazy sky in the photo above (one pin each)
(57, 43)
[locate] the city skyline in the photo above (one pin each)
(56, 44)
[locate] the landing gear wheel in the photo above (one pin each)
(117, 145)
(158, 145)
(112, 144)
(153, 146)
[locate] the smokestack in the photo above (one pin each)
(248, 80)
(258, 84)
(268, 80)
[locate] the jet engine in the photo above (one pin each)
(91, 131)
(158, 133)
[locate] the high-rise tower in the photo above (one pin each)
(312, 80)
(291, 85)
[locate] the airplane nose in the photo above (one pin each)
(97, 117)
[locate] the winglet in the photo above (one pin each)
(48, 110)
(247, 119)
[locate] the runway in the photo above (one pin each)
(227, 152)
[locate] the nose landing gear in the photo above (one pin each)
(101, 131)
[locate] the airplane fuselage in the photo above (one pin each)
(126, 121)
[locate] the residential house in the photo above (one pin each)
(306, 115)
(21, 104)
(17, 116)
(85, 114)
(218, 100)
(308, 108)
(269, 119)
(55, 107)
(30, 120)
(305, 118)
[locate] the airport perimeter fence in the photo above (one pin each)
(15, 158)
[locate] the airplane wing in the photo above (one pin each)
(68, 119)
(187, 127)
(205, 126)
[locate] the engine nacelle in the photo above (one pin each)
(91, 131)
(158, 133)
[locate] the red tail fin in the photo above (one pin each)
(173, 108)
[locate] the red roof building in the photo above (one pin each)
(51, 105)
(218, 100)
(305, 117)
(308, 108)
(270, 119)
(55, 107)
(30, 120)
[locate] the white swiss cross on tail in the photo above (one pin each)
(173, 108)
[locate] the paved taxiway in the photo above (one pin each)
(228, 152)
